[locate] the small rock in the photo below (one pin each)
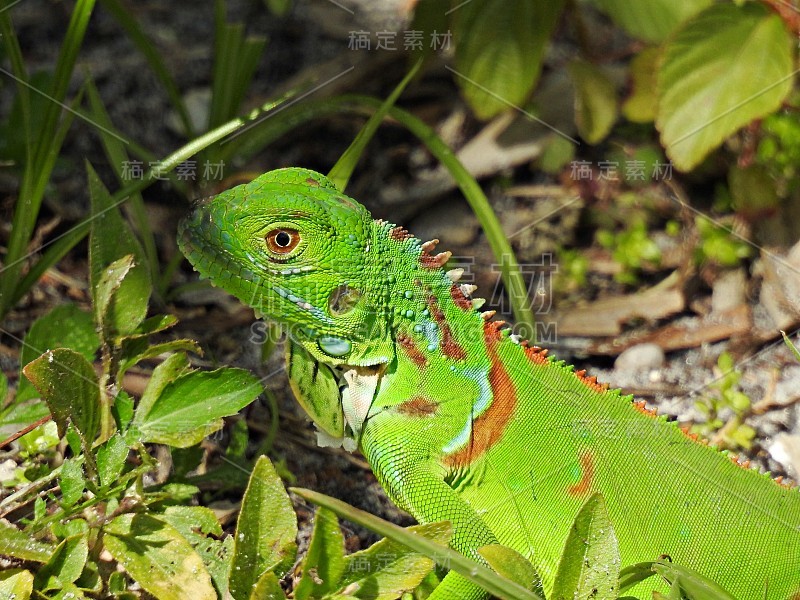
(640, 358)
(786, 450)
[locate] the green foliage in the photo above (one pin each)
(718, 244)
(632, 248)
(100, 502)
(726, 408)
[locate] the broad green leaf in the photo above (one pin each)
(122, 410)
(72, 482)
(323, 564)
(268, 588)
(640, 106)
(499, 49)
(158, 558)
(727, 66)
(111, 239)
(265, 532)
(387, 569)
(595, 101)
(191, 407)
(511, 564)
(66, 326)
(19, 544)
(111, 457)
(475, 572)
(590, 564)
(66, 564)
(165, 373)
(16, 584)
(653, 20)
(68, 383)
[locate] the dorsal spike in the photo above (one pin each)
(488, 314)
(455, 274)
(467, 288)
(477, 303)
(429, 245)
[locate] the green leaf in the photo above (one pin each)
(595, 101)
(692, 584)
(475, 572)
(16, 584)
(323, 564)
(265, 532)
(3, 388)
(640, 106)
(653, 20)
(139, 349)
(66, 326)
(66, 564)
(791, 346)
(589, 566)
(729, 65)
(191, 407)
(111, 239)
(388, 568)
(511, 564)
(499, 49)
(122, 410)
(165, 373)
(72, 482)
(19, 544)
(753, 192)
(158, 557)
(110, 281)
(268, 588)
(111, 457)
(68, 383)
(187, 519)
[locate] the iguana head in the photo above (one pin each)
(297, 250)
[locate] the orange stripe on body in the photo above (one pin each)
(587, 476)
(488, 428)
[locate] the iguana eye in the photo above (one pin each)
(282, 241)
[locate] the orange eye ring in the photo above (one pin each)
(282, 240)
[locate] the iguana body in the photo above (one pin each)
(459, 420)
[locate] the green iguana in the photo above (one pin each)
(462, 421)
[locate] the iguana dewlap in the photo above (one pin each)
(461, 421)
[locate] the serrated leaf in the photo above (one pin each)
(66, 326)
(511, 564)
(109, 240)
(727, 66)
(68, 383)
(640, 106)
(19, 544)
(72, 482)
(387, 569)
(499, 49)
(595, 101)
(191, 407)
(323, 564)
(66, 564)
(111, 457)
(16, 584)
(590, 564)
(653, 20)
(158, 557)
(265, 532)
